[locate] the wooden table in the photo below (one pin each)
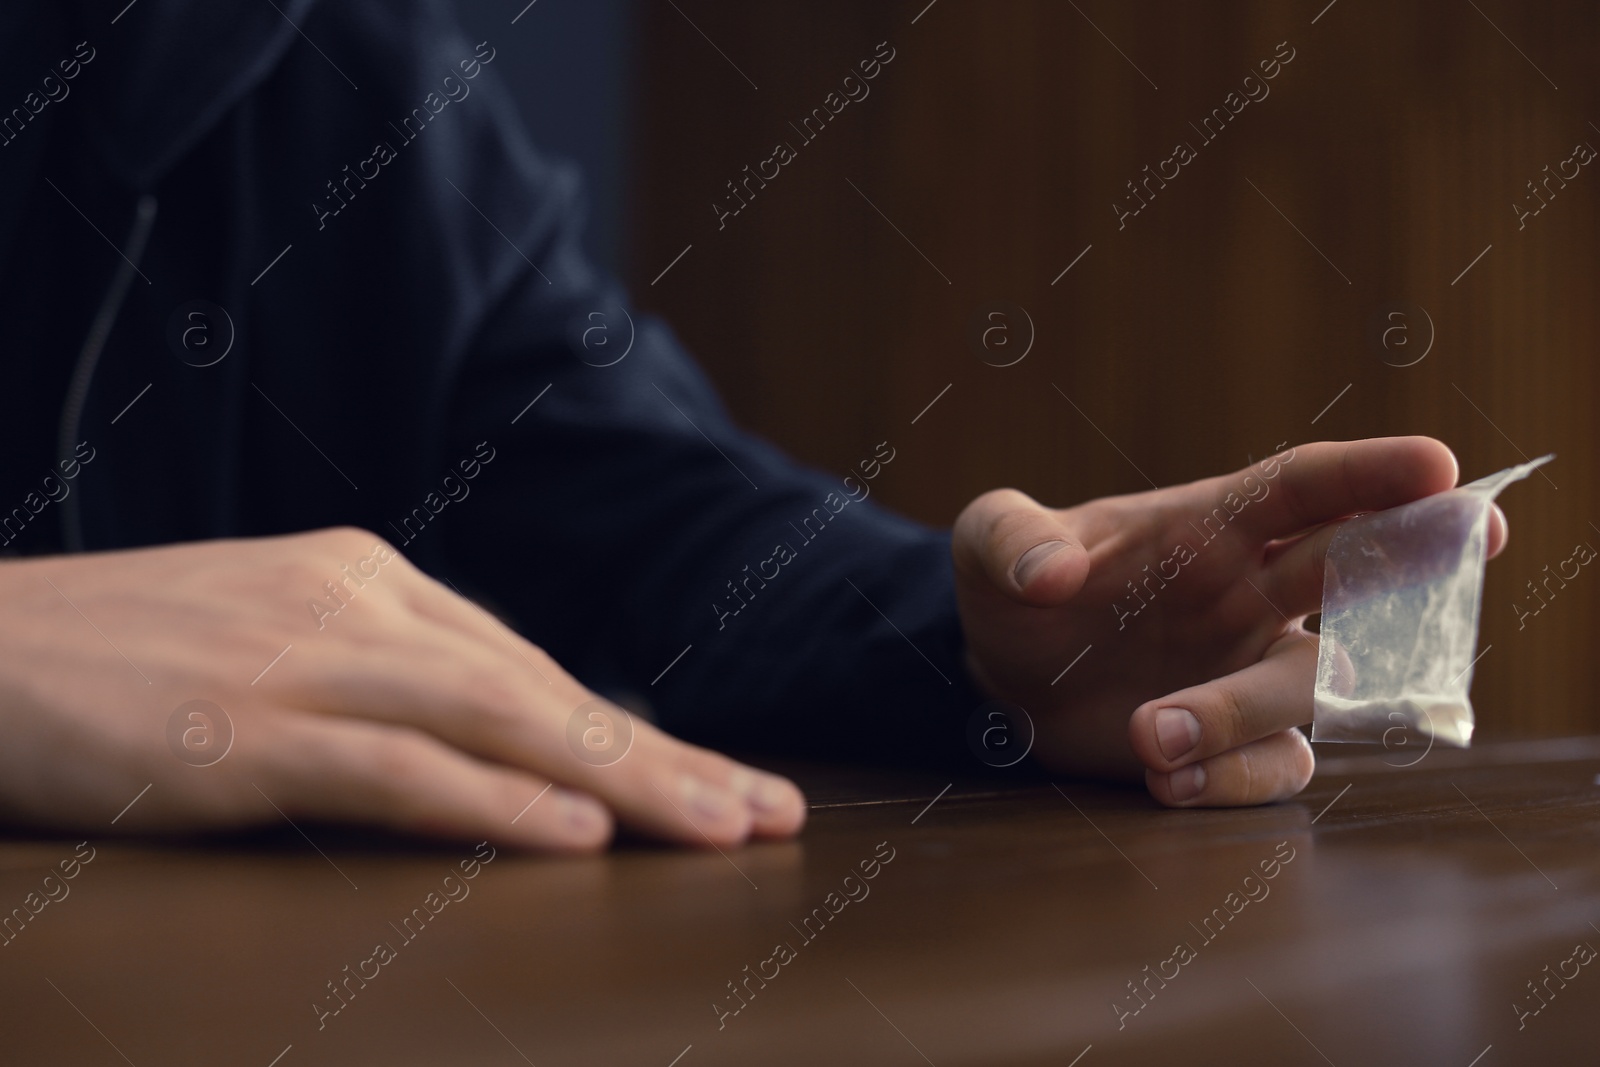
(1009, 922)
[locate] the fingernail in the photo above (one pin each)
(765, 793)
(769, 794)
(1032, 560)
(1186, 782)
(703, 798)
(1177, 732)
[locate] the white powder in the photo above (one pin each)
(1393, 721)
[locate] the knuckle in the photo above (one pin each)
(999, 501)
(1007, 525)
(980, 508)
(1224, 716)
(996, 509)
(345, 544)
(345, 538)
(982, 526)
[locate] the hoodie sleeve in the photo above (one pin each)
(628, 526)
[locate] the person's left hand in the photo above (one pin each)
(1198, 667)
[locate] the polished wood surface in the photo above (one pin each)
(1406, 914)
(1391, 152)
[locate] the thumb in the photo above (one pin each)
(1021, 547)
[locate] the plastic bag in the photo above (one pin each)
(1400, 600)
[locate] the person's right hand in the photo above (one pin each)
(1199, 688)
(409, 708)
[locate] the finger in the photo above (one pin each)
(1273, 768)
(347, 770)
(1021, 546)
(669, 788)
(1317, 483)
(1202, 721)
(1499, 531)
(477, 699)
(776, 806)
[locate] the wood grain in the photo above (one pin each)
(1405, 913)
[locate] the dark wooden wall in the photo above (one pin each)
(1208, 328)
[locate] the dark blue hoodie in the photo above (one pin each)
(272, 268)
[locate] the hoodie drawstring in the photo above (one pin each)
(89, 357)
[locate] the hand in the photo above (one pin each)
(407, 707)
(1200, 667)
